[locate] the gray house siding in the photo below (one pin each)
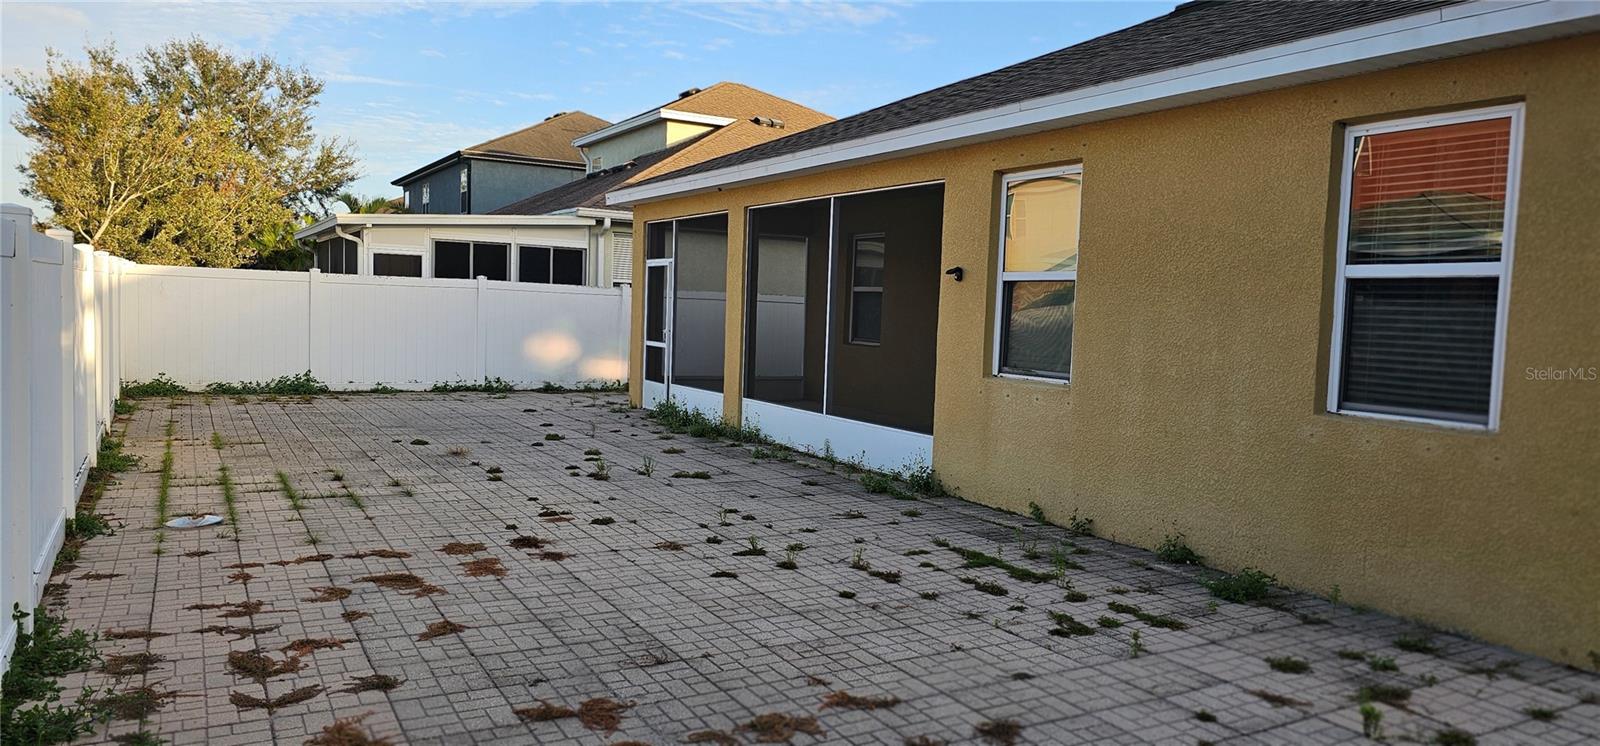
(496, 184)
(491, 185)
(444, 191)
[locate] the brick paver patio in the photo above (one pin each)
(621, 595)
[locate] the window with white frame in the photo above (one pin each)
(1038, 273)
(396, 263)
(424, 197)
(1427, 215)
(465, 260)
(866, 288)
(545, 264)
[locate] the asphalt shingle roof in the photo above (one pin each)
(1193, 32)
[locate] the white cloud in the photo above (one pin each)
(789, 17)
(432, 53)
(903, 41)
(673, 54)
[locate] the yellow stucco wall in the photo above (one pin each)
(1200, 361)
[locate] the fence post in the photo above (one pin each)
(315, 305)
(50, 402)
(480, 351)
(84, 357)
(15, 473)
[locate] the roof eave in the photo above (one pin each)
(1434, 34)
(650, 117)
(378, 220)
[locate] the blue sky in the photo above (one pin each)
(410, 82)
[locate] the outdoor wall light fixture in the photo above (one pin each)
(956, 272)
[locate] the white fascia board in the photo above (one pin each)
(602, 213)
(365, 220)
(650, 117)
(1435, 34)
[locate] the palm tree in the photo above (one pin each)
(366, 205)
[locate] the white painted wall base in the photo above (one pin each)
(876, 446)
(708, 403)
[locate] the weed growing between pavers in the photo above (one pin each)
(164, 492)
(327, 593)
(976, 559)
(1154, 620)
(846, 700)
(308, 645)
(347, 732)
(132, 634)
(41, 657)
(715, 737)
(779, 727)
(984, 586)
(301, 560)
(998, 732)
(259, 667)
(99, 575)
(403, 582)
(377, 682)
(1246, 586)
(247, 702)
(132, 664)
(528, 542)
(485, 567)
(1289, 664)
(1389, 694)
(354, 616)
(138, 703)
(381, 553)
(458, 548)
(1066, 626)
(198, 553)
(440, 629)
(1416, 644)
(1278, 700)
(1176, 550)
(670, 546)
(239, 633)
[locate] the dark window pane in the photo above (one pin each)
(397, 265)
(654, 359)
(884, 334)
(866, 316)
(786, 317)
(533, 264)
(489, 260)
(322, 256)
(567, 267)
(659, 239)
(655, 304)
(1420, 346)
(452, 259)
(1038, 329)
(699, 302)
(1436, 194)
(351, 263)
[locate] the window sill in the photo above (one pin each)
(1425, 422)
(1034, 379)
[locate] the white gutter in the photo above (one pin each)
(1444, 32)
(407, 219)
(650, 117)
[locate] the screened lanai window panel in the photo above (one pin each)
(1433, 194)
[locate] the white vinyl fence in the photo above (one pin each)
(58, 382)
(77, 323)
(200, 326)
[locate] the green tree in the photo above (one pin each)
(185, 155)
(367, 205)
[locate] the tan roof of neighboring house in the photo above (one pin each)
(739, 101)
(549, 140)
(719, 142)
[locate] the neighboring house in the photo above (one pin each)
(1301, 349)
(551, 249)
(496, 173)
(599, 239)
